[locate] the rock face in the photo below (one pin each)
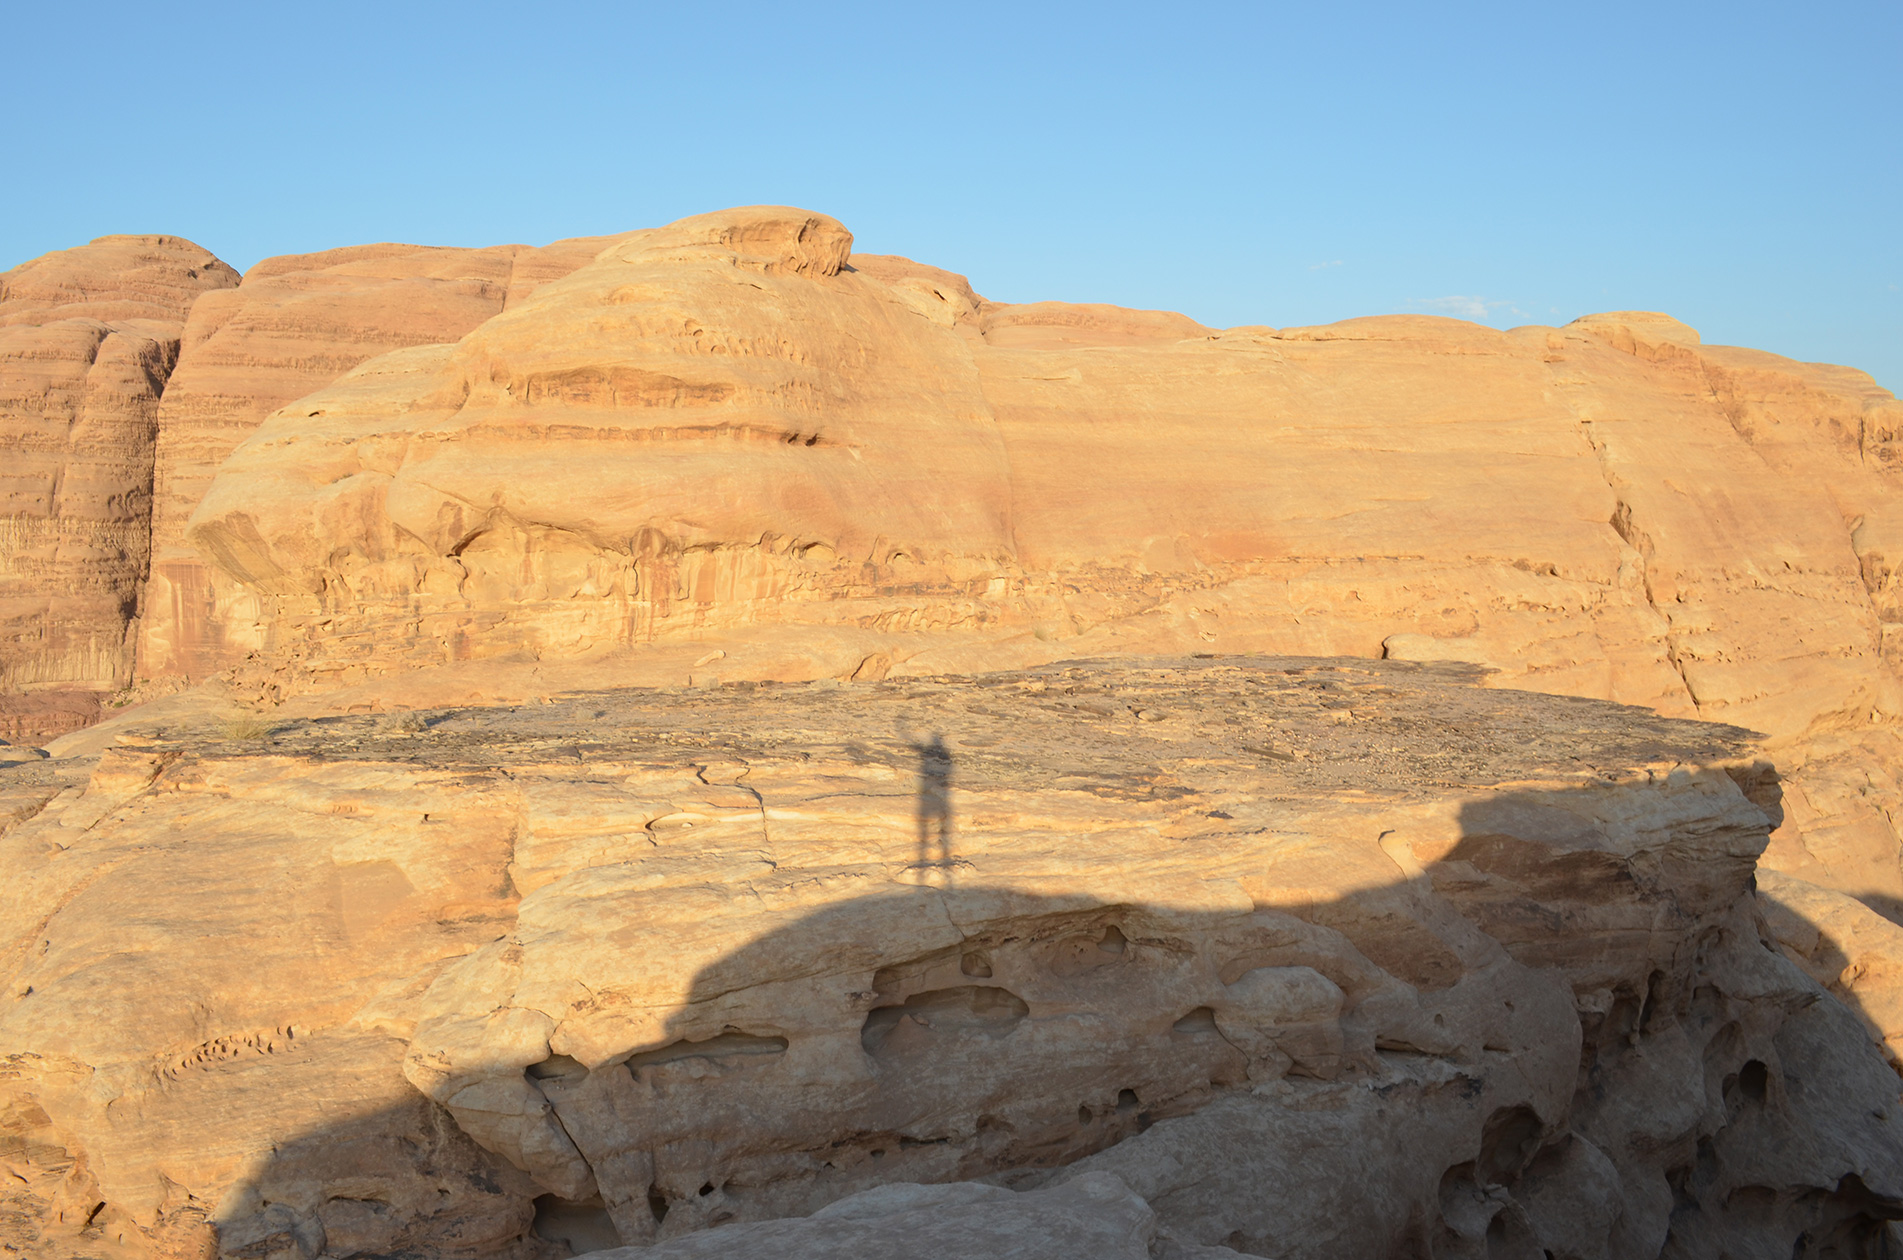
(295, 325)
(1292, 957)
(1097, 1217)
(838, 939)
(88, 340)
(729, 448)
(731, 435)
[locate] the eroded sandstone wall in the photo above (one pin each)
(729, 449)
(89, 339)
(1311, 958)
(790, 464)
(294, 325)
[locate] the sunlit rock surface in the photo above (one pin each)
(295, 324)
(1312, 957)
(732, 435)
(412, 928)
(89, 338)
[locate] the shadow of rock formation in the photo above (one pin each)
(1295, 958)
(1542, 1042)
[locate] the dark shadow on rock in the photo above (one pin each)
(934, 806)
(1540, 1039)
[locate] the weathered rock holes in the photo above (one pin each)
(925, 1020)
(1081, 952)
(583, 1225)
(1199, 1022)
(558, 1067)
(730, 1049)
(1748, 1087)
(1656, 1007)
(1507, 1142)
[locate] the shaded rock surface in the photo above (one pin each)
(1292, 957)
(1092, 1217)
(88, 341)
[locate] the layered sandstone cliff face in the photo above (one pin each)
(88, 341)
(1452, 970)
(1297, 958)
(730, 449)
(296, 324)
(732, 436)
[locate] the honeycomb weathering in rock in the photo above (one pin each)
(553, 962)
(1435, 962)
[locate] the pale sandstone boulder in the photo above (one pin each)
(1319, 958)
(88, 341)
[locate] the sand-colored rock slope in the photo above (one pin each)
(88, 340)
(828, 915)
(1300, 958)
(297, 323)
(120, 393)
(729, 448)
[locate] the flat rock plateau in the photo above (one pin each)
(705, 743)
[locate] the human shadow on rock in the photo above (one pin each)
(1547, 1039)
(934, 807)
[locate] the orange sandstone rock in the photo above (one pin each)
(294, 325)
(727, 449)
(730, 449)
(88, 341)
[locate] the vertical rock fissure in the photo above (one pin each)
(1629, 532)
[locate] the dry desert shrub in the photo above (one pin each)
(248, 728)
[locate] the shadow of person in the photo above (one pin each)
(1552, 1025)
(934, 808)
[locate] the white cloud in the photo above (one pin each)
(1465, 307)
(1475, 308)
(1337, 263)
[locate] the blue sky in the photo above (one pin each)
(1735, 165)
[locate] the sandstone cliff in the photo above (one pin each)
(731, 440)
(1298, 958)
(88, 340)
(295, 324)
(1462, 971)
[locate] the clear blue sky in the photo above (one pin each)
(1736, 165)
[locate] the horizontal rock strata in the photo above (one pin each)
(1292, 957)
(730, 448)
(295, 324)
(733, 433)
(88, 340)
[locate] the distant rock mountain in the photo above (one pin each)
(89, 337)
